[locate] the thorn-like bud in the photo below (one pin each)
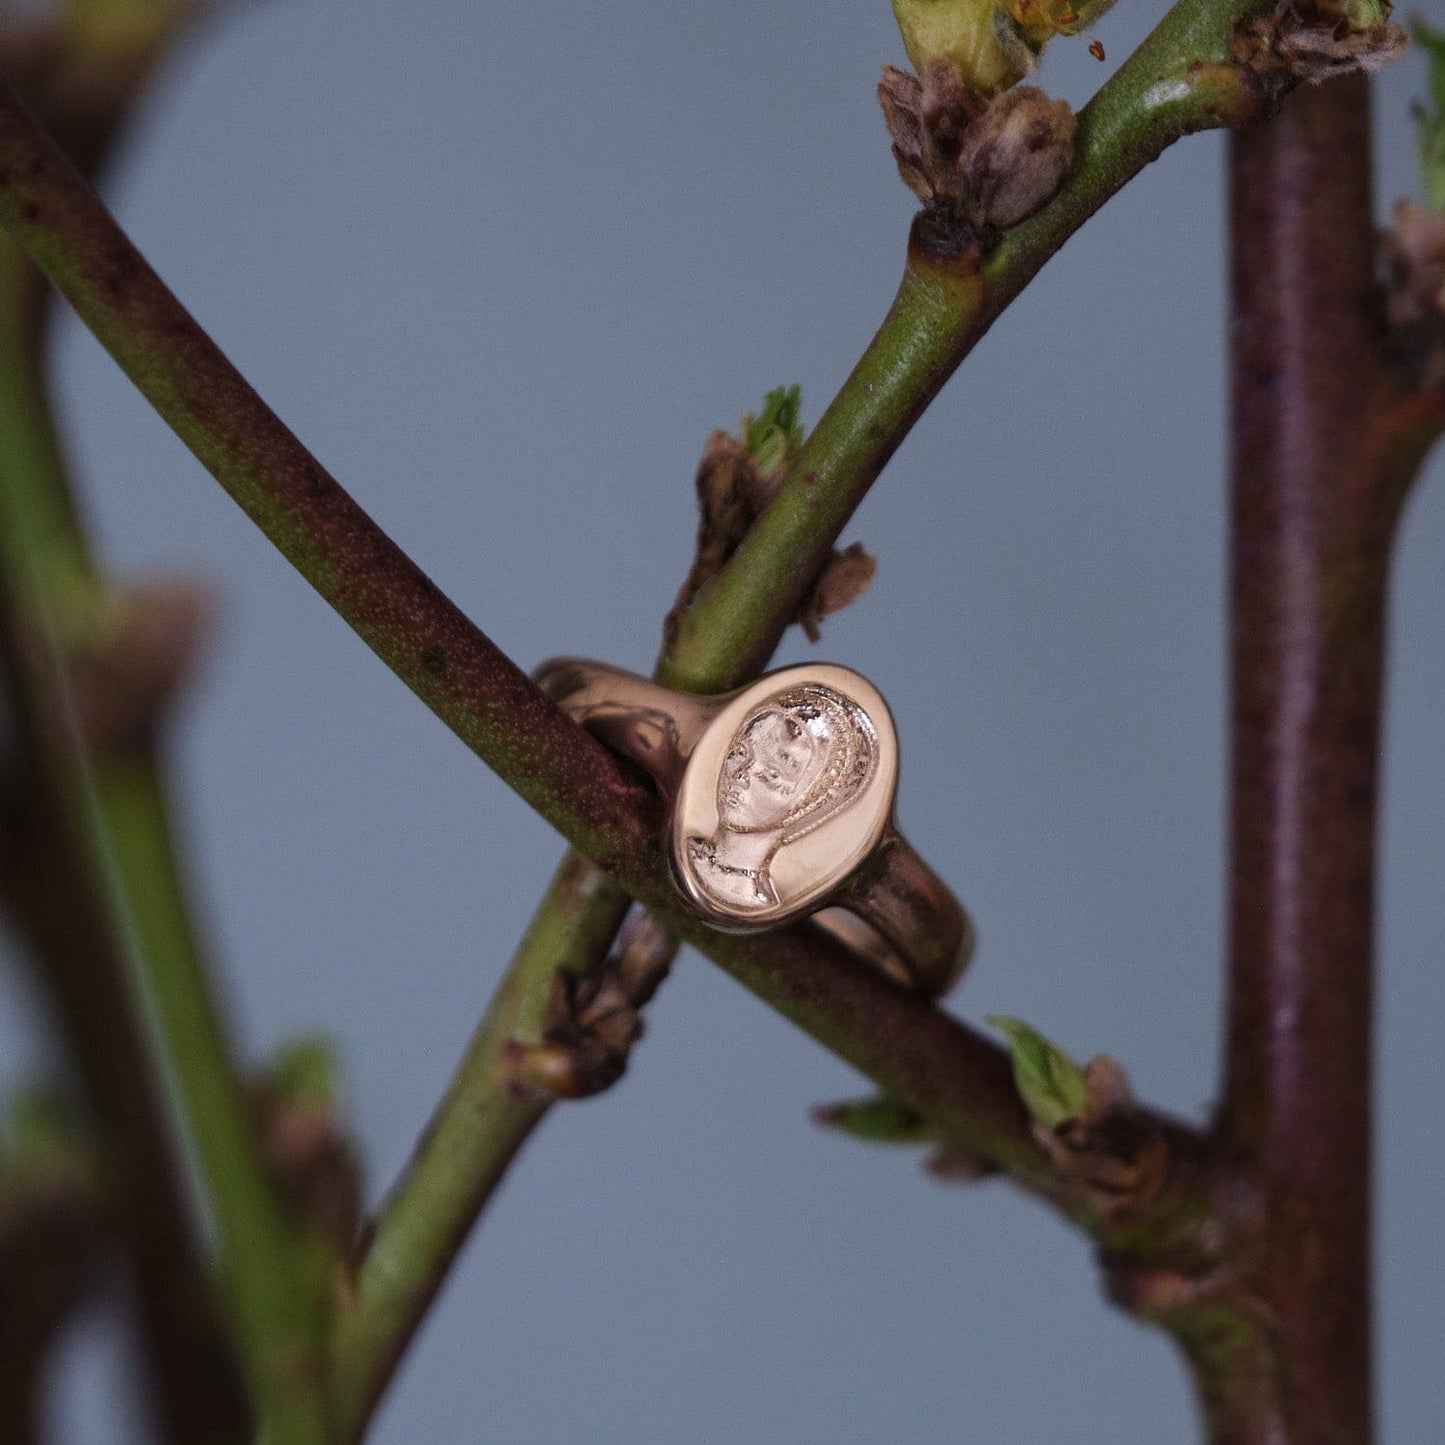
(953, 1164)
(645, 951)
(593, 1020)
(845, 577)
(736, 479)
(559, 1071)
(1108, 1085)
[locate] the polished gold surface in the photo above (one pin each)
(781, 803)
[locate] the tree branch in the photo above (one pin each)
(420, 634)
(475, 1133)
(1324, 446)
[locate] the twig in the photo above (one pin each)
(475, 1133)
(1180, 80)
(419, 633)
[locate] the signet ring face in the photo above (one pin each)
(781, 799)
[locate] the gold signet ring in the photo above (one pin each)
(781, 801)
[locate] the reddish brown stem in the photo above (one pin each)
(1314, 510)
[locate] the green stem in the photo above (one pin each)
(735, 622)
(475, 1133)
(275, 1287)
(941, 310)
(1176, 83)
(277, 1279)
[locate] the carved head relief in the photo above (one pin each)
(797, 760)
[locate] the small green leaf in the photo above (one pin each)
(775, 433)
(1049, 1082)
(1432, 124)
(878, 1119)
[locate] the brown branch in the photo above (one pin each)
(1323, 449)
(458, 672)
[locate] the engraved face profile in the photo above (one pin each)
(799, 758)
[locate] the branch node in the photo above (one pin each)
(733, 488)
(593, 1019)
(1314, 41)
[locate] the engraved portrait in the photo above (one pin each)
(796, 761)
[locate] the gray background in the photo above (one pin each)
(503, 269)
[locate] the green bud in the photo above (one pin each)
(775, 433)
(1050, 1083)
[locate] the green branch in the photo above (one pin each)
(277, 1279)
(475, 1133)
(1176, 83)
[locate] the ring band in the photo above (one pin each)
(781, 804)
